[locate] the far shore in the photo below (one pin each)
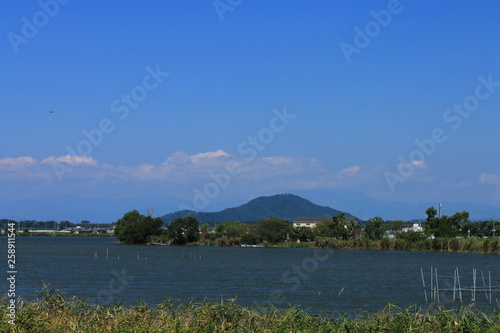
(490, 245)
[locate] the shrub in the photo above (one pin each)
(453, 245)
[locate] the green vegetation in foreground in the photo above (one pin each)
(53, 313)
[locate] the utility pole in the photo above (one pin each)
(493, 230)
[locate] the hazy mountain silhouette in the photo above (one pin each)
(284, 206)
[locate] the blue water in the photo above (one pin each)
(103, 271)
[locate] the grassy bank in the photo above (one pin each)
(53, 313)
(466, 245)
(476, 245)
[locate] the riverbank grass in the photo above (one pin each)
(53, 313)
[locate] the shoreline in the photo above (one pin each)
(489, 245)
(453, 245)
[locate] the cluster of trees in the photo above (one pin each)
(457, 225)
(270, 230)
(135, 228)
(445, 226)
(480, 229)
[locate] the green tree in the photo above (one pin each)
(339, 227)
(395, 227)
(251, 238)
(134, 228)
(66, 224)
(431, 213)
(375, 228)
(205, 231)
(446, 226)
(273, 229)
(305, 234)
(183, 230)
(85, 224)
(231, 229)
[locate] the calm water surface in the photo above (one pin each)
(343, 281)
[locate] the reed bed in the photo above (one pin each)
(54, 313)
(476, 245)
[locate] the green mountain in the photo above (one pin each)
(285, 206)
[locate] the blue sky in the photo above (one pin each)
(205, 77)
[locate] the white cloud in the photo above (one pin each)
(25, 168)
(181, 172)
(209, 155)
(178, 158)
(72, 160)
(350, 171)
(414, 164)
(485, 178)
(18, 161)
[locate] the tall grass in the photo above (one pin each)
(53, 313)
(478, 245)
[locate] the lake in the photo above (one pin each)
(102, 271)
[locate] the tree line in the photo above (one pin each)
(134, 228)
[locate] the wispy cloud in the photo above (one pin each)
(414, 164)
(486, 178)
(351, 171)
(180, 172)
(17, 162)
(69, 159)
(183, 168)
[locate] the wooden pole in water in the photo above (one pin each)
(432, 288)
(107, 253)
(484, 285)
(423, 283)
(473, 284)
(459, 287)
(489, 279)
(454, 282)
(437, 284)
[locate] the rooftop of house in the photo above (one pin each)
(318, 219)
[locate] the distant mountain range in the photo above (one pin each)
(365, 207)
(284, 206)
(108, 210)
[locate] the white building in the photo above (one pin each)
(415, 227)
(310, 222)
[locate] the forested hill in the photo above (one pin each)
(285, 206)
